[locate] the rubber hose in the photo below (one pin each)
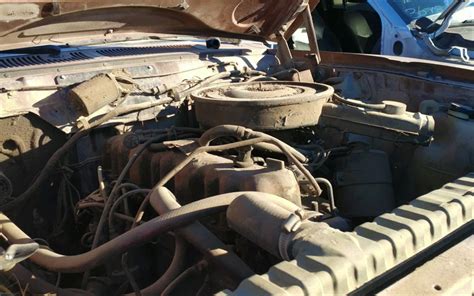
(260, 219)
(163, 201)
(138, 236)
(50, 166)
(246, 133)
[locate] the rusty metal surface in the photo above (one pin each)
(378, 86)
(26, 142)
(94, 94)
(26, 24)
(424, 69)
(162, 68)
(406, 80)
(156, 64)
(262, 105)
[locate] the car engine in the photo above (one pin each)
(200, 177)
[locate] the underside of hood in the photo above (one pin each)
(37, 23)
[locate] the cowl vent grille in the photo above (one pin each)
(33, 60)
(128, 51)
(87, 54)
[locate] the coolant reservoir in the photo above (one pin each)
(450, 155)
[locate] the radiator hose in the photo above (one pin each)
(163, 201)
(283, 229)
(143, 233)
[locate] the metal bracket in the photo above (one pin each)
(462, 51)
(284, 52)
(313, 41)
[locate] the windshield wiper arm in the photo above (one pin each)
(108, 41)
(461, 51)
(447, 16)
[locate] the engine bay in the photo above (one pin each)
(193, 177)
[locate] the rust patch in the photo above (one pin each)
(14, 12)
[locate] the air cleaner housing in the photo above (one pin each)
(265, 106)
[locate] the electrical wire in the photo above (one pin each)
(195, 269)
(119, 200)
(50, 165)
(88, 205)
(129, 275)
(283, 148)
(110, 200)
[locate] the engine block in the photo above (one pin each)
(205, 176)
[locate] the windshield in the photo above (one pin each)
(411, 10)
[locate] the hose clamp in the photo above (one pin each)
(290, 225)
(16, 253)
(83, 123)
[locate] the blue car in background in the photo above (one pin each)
(427, 29)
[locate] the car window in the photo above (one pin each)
(411, 10)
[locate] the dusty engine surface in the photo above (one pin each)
(205, 176)
(26, 140)
(267, 105)
(240, 184)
